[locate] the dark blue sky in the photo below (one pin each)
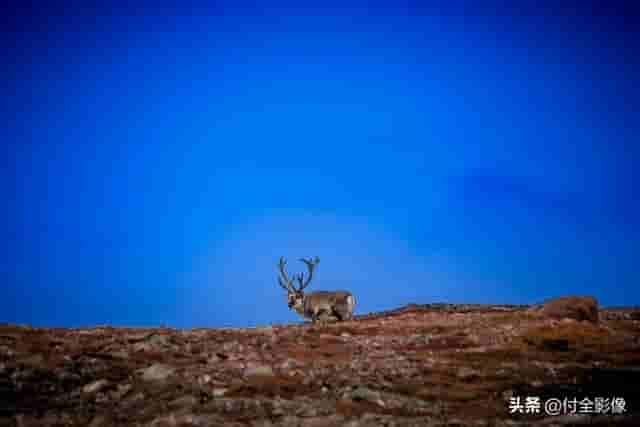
(157, 161)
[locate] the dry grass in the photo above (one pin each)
(434, 392)
(566, 336)
(327, 353)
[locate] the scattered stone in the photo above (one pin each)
(153, 342)
(95, 386)
(216, 358)
(183, 401)
(391, 369)
(99, 421)
(364, 393)
(6, 351)
(277, 410)
(218, 392)
(156, 372)
(465, 372)
(259, 371)
(421, 339)
(120, 354)
(290, 364)
(166, 421)
(137, 397)
(121, 391)
(307, 411)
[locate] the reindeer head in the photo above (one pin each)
(295, 296)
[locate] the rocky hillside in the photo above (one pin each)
(421, 365)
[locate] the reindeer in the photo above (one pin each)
(317, 306)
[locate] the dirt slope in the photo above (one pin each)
(421, 365)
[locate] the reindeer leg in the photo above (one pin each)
(315, 318)
(323, 316)
(342, 312)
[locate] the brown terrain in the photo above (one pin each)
(420, 365)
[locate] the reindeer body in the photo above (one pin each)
(324, 304)
(319, 305)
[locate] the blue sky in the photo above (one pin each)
(157, 161)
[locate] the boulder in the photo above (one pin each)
(570, 307)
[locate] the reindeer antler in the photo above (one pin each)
(311, 265)
(283, 279)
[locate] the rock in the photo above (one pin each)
(99, 421)
(120, 354)
(510, 365)
(277, 409)
(571, 307)
(216, 358)
(121, 391)
(183, 401)
(290, 364)
(152, 342)
(465, 372)
(307, 411)
(165, 421)
(218, 392)
(6, 351)
(136, 397)
(142, 346)
(364, 393)
(158, 340)
(420, 339)
(95, 386)
(156, 372)
(102, 397)
(259, 371)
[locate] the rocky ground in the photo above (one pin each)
(421, 365)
